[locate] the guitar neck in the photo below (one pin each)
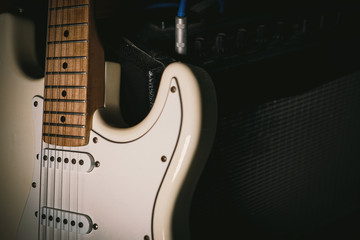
(74, 78)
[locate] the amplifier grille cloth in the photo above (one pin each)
(286, 168)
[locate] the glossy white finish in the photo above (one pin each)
(171, 215)
(199, 118)
(17, 48)
(119, 195)
(28, 219)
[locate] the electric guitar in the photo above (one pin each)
(92, 180)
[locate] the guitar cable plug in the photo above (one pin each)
(181, 35)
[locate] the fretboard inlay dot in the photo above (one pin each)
(62, 119)
(66, 33)
(63, 93)
(65, 65)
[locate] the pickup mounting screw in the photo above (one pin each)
(95, 226)
(36, 103)
(173, 89)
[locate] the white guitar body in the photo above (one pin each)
(132, 183)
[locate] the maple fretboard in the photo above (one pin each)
(74, 78)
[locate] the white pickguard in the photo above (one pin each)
(119, 195)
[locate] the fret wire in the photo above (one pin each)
(65, 113)
(65, 100)
(67, 25)
(67, 73)
(63, 125)
(66, 57)
(63, 136)
(69, 41)
(69, 7)
(63, 86)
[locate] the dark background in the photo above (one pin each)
(286, 161)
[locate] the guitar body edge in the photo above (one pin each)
(171, 215)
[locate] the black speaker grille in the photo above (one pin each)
(288, 168)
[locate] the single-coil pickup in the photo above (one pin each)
(67, 160)
(65, 220)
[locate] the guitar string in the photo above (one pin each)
(77, 172)
(57, 140)
(64, 159)
(57, 117)
(61, 163)
(66, 164)
(68, 192)
(55, 144)
(48, 161)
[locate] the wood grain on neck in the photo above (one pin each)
(74, 79)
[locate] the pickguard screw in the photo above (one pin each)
(33, 184)
(36, 103)
(97, 164)
(173, 89)
(146, 237)
(163, 158)
(95, 140)
(95, 226)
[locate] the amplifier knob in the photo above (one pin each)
(220, 43)
(240, 38)
(199, 46)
